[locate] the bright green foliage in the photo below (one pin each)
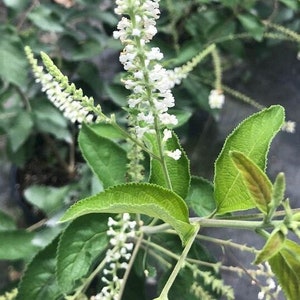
(178, 170)
(286, 266)
(255, 180)
(80, 244)
(143, 198)
(105, 158)
(252, 137)
(201, 197)
(18, 244)
(273, 245)
(39, 280)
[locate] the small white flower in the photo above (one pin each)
(289, 126)
(167, 134)
(216, 99)
(174, 154)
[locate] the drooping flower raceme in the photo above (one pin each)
(120, 231)
(71, 101)
(148, 81)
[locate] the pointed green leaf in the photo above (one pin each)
(39, 281)
(201, 197)
(81, 242)
(105, 158)
(17, 244)
(143, 198)
(273, 245)
(286, 267)
(252, 137)
(256, 181)
(179, 170)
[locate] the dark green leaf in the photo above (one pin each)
(80, 244)
(20, 130)
(253, 25)
(6, 222)
(255, 180)
(201, 197)
(252, 137)
(17, 244)
(44, 18)
(105, 158)
(178, 170)
(39, 280)
(13, 62)
(141, 198)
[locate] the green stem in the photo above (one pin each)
(130, 264)
(178, 266)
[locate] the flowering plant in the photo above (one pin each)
(148, 187)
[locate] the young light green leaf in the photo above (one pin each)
(18, 245)
(252, 137)
(256, 181)
(278, 190)
(39, 281)
(105, 158)
(201, 197)
(142, 198)
(178, 170)
(286, 266)
(273, 245)
(80, 244)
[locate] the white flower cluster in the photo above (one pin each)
(72, 109)
(289, 126)
(216, 99)
(67, 98)
(270, 290)
(149, 82)
(117, 257)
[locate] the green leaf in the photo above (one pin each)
(142, 198)
(39, 281)
(178, 170)
(201, 197)
(252, 137)
(278, 190)
(105, 158)
(17, 244)
(46, 198)
(44, 18)
(80, 244)
(255, 180)
(253, 25)
(286, 267)
(273, 245)
(6, 222)
(293, 4)
(13, 62)
(20, 130)
(106, 131)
